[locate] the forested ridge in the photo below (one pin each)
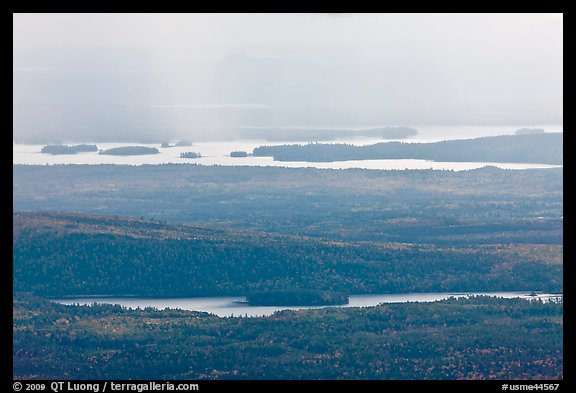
(481, 206)
(478, 338)
(72, 254)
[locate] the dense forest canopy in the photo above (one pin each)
(481, 206)
(190, 230)
(478, 338)
(236, 231)
(70, 254)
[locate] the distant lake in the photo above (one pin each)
(218, 153)
(227, 306)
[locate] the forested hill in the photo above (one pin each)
(482, 206)
(72, 254)
(479, 338)
(536, 148)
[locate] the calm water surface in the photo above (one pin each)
(227, 306)
(218, 153)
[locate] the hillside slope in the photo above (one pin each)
(73, 254)
(479, 338)
(483, 206)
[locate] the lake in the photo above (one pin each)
(228, 306)
(217, 153)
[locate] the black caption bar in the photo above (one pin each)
(117, 386)
(105, 386)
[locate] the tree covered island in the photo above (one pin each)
(190, 154)
(68, 149)
(130, 151)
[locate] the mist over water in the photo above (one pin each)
(146, 78)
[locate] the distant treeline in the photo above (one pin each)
(526, 148)
(130, 151)
(68, 149)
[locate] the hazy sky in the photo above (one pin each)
(120, 73)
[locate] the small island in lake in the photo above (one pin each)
(190, 154)
(68, 149)
(296, 297)
(183, 143)
(238, 154)
(130, 151)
